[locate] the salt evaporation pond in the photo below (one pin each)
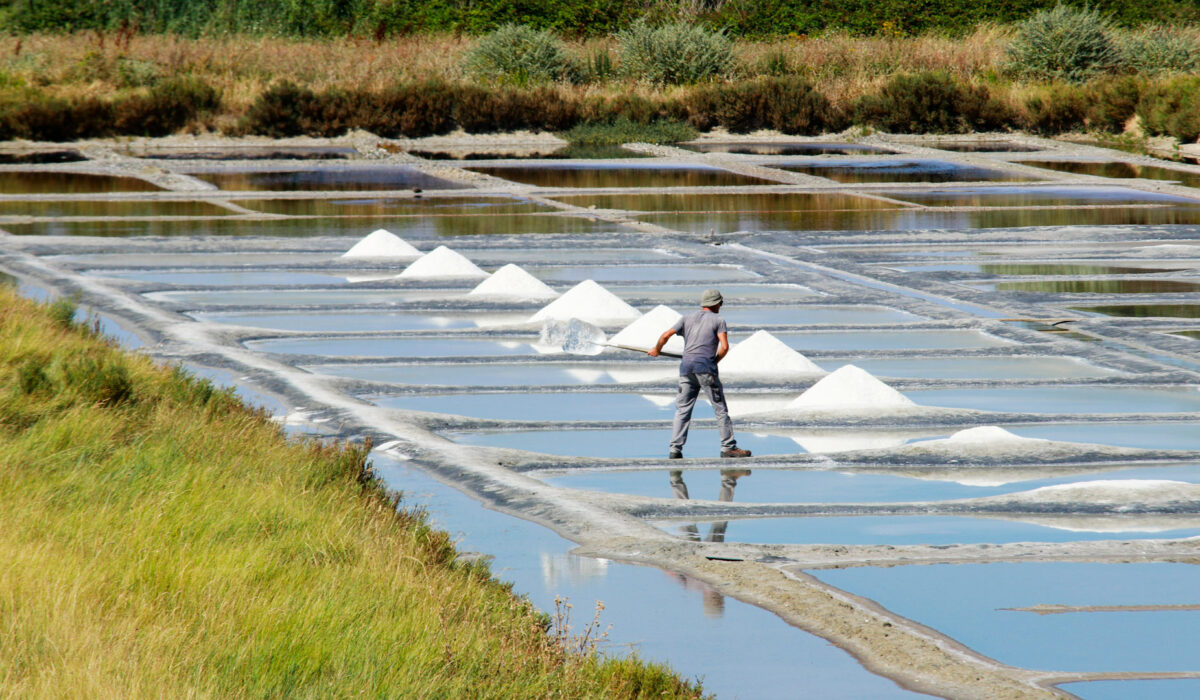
(1157, 688)
(641, 273)
(626, 443)
(234, 278)
(1005, 367)
(1174, 435)
(660, 614)
(898, 530)
(891, 339)
(507, 374)
(396, 347)
(309, 298)
(548, 406)
(361, 321)
(771, 485)
(974, 603)
(1065, 399)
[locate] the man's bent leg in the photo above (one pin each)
(716, 396)
(689, 389)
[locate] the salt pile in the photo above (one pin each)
(851, 388)
(513, 282)
(762, 355)
(382, 243)
(442, 263)
(587, 301)
(643, 333)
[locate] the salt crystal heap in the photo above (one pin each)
(764, 355)
(851, 389)
(382, 243)
(512, 282)
(588, 301)
(442, 263)
(643, 333)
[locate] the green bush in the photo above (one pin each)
(931, 102)
(62, 312)
(673, 54)
(1112, 102)
(1064, 43)
(625, 130)
(520, 55)
(479, 110)
(1056, 110)
(790, 105)
(1172, 108)
(31, 376)
(1155, 50)
(104, 381)
(168, 107)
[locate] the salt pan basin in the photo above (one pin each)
(360, 321)
(624, 443)
(987, 607)
(397, 347)
(507, 374)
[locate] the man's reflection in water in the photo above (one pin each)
(729, 479)
(714, 602)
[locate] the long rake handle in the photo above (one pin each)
(661, 353)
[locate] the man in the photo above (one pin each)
(705, 342)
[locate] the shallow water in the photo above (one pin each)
(347, 321)
(1036, 269)
(1096, 286)
(575, 406)
(305, 297)
(618, 175)
(1145, 310)
(897, 530)
(972, 603)
(406, 206)
(114, 208)
(234, 278)
(907, 219)
(803, 486)
(735, 294)
(985, 147)
(659, 614)
(1159, 689)
(1040, 197)
(358, 226)
(1147, 436)
(1016, 367)
(891, 340)
(1064, 399)
(566, 152)
(69, 183)
(503, 374)
(783, 148)
(706, 274)
(747, 204)
(396, 347)
(1119, 170)
(624, 443)
(858, 171)
(317, 178)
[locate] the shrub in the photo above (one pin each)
(520, 55)
(932, 102)
(677, 53)
(1155, 50)
(1111, 103)
(31, 376)
(411, 110)
(1057, 109)
(790, 105)
(480, 110)
(105, 381)
(284, 109)
(1172, 108)
(1063, 43)
(62, 312)
(168, 107)
(624, 130)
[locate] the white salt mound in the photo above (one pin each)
(513, 282)
(644, 332)
(442, 263)
(762, 354)
(587, 301)
(984, 435)
(851, 388)
(382, 244)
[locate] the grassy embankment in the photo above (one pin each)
(160, 539)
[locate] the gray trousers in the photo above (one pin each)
(689, 388)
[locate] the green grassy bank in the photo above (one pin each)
(160, 539)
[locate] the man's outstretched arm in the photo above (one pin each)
(722, 345)
(662, 340)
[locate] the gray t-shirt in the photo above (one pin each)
(699, 330)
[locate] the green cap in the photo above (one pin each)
(711, 297)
